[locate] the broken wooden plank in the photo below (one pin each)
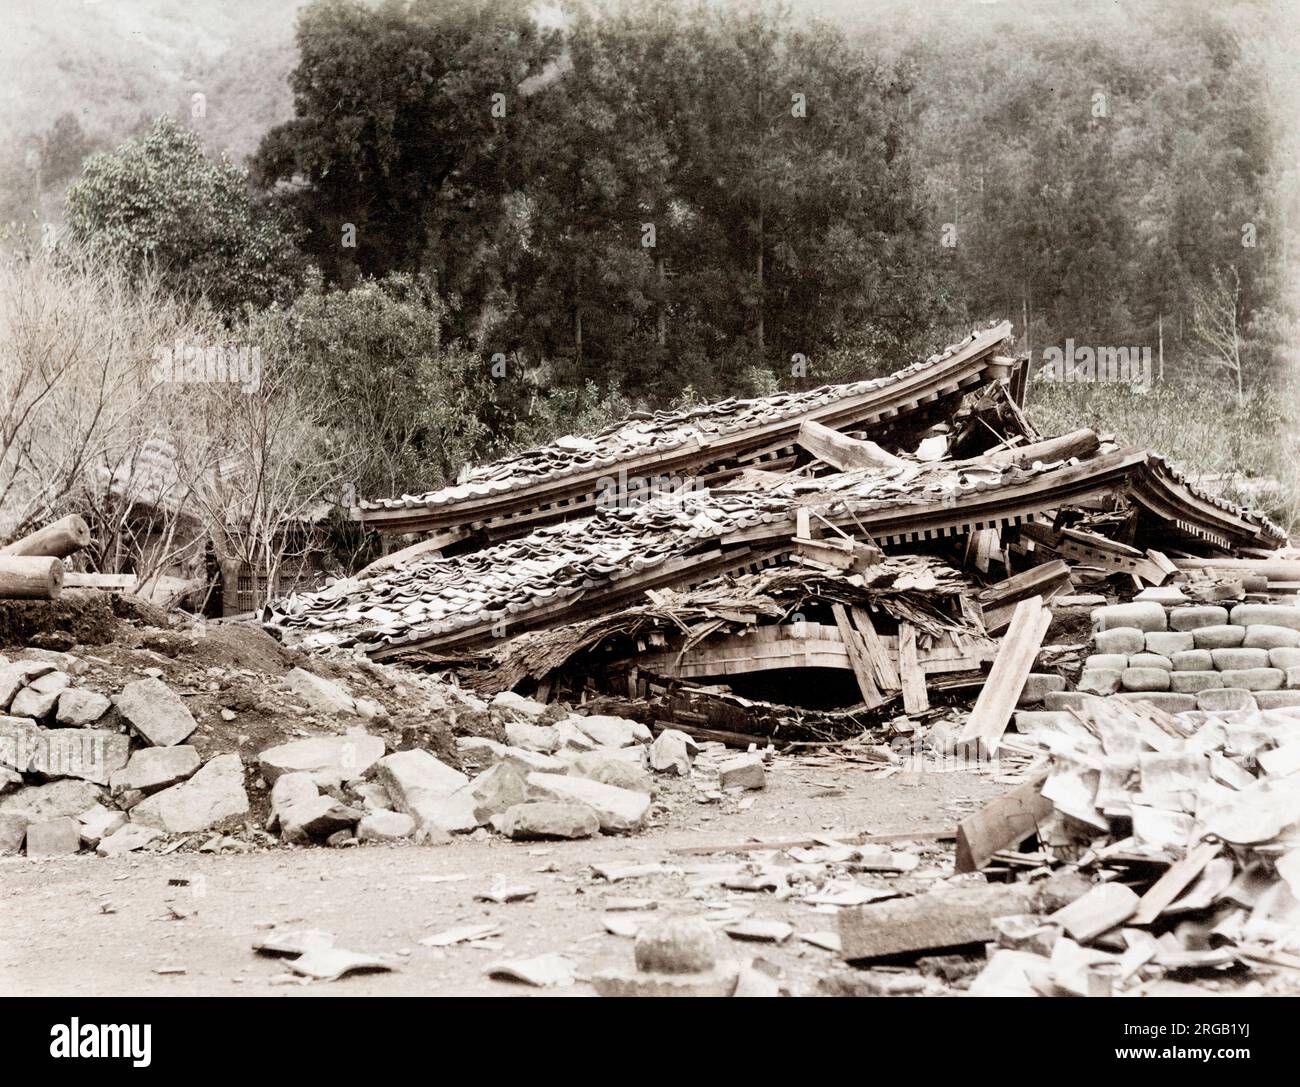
(1175, 880)
(858, 659)
(1002, 823)
(882, 663)
(916, 698)
(1098, 911)
(1011, 667)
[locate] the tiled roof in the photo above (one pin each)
(653, 433)
(440, 596)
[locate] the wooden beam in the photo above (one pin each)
(431, 546)
(1014, 662)
(60, 538)
(1002, 823)
(842, 452)
(858, 658)
(882, 663)
(30, 577)
(916, 698)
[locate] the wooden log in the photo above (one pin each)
(1002, 823)
(915, 697)
(30, 577)
(1078, 443)
(63, 537)
(1011, 667)
(842, 452)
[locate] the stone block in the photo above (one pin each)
(1207, 615)
(1038, 684)
(1151, 660)
(1235, 659)
(1277, 700)
(1144, 617)
(53, 837)
(1263, 636)
(1169, 701)
(1099, 681)
(1120, 640)
(1277, 615)
(1117, 661)
(1168, 642)
(1254, 679)
(1225, 700)
(1192, 660)
(1145, 679)
(1194, 682)
(1226, 637)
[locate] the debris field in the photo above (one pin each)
(622, 637)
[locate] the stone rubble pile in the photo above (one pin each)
(79, 768)
(557, 776)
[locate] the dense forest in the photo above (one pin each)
(492, 221)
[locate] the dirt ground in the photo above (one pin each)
(85, 925)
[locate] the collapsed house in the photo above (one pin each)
(820, 561)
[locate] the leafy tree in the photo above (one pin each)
(159, 203)
(412, 409)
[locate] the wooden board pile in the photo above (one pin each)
(1187, 830)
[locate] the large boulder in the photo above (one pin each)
(289, 790)
(547, 819)
(13, 829)
(496, 789)
(672, 752)
(69, 797)
(530, 737)
(428, 790)
(617, 809)
(609, 769)
(156, 712)
(214, 793)
(330, 760)
(15, 675)
(607, 731)
(385, 826)
(316, 817)
(126, 838)
(53, 837)
(78, 707)
(151, 769)
(91, 754)
(415, 776)
(322, 695)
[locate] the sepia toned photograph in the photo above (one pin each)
(650, 498)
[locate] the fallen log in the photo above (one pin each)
(30, 577)
(1078, 443)
(59, 539)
